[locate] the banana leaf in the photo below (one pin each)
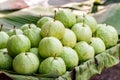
(28, 15)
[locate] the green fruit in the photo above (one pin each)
(14, 32)
(35, 51)
(3, 39)
(42, 21)
(53, 28)
(26, 63)
(70, 57)
(89, 20)
(69, 39)
(26, 26)
(98, 45)
(5, 60)
(108, 34)
(34, 36)
(66, 17)
(84, 51)
(17, 44)
(52, 65)
(82, 32)
(50, 47)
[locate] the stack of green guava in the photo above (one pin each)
(54, 46)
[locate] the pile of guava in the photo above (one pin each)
(54, 45)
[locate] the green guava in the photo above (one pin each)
(97, 44)
(34, 36)
(26, 63)
(89, 20)
(70, 57)
(53, 65)
(17, 44)
(14, 32)
(53, 28)
(35, 51)
(5, 60)
(50, 47)
(82, 32)
(66, 17)
(69, 38)
(3, 39)
(108, 34)
(26, 26)
(43, 20)
(84, 51)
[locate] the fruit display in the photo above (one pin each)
(53, 47)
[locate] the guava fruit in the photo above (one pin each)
(97, 44)
(3, 39)
(84, 51)
(69, 38)
(26, 26)
(89, 20)
(53, 65)
(34, 36)
(26, 63)
(14, 31)
(50, 47)
(35, 51)
(82, 32)
(43, 20)
(70, 57)
(66, 17)
(53, 28)
(17, 44)
(5, 60)
(108, 34)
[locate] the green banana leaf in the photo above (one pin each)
(28, 15)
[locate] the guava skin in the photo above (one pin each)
(108, 34)
(43, 20)
(52, 64)
(26, 63)
(84, 51)
(34, 36)
(89, 20)
(66, 17)
(69, 39)
(53, 28)
(26, 26)
(82, 32)
(70, 57)
(17, 44)
(50, 47)
(5, 60)
(35, 51)
(98, 45)
(14, 32)
(3, 39)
